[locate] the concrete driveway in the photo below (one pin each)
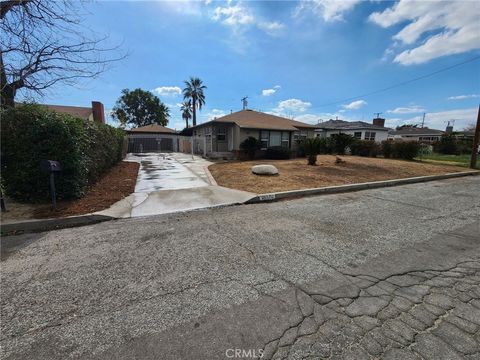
(172, 182)
(392, 273)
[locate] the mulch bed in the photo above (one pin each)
(296, 174)
(116, 184)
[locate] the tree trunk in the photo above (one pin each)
(194, 112)
(7, 94)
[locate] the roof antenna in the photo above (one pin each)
(378, 114)
(245, 102)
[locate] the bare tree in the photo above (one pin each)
(43, 43)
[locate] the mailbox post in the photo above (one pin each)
(51, 167)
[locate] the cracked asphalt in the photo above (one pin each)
(389, 273)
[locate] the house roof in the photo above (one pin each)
(77, 111)
(152, 128)
(250, 119)
(348, 125)
(416, 131)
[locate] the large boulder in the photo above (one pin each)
(264, 170)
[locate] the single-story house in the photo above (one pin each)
(416, 134)
(152, 138)
(94, 113)
(361, 130)
(222, 136)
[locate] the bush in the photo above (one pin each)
(447, 145)
(31, 133)
(387, 149)
(250, 146)
(407, 150)
(365, 148)
(340, 142)
(278, 153)
(312, 147)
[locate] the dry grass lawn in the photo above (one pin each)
(296, 174)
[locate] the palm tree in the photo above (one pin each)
(186, 110)
(163, 114)
(194, 91)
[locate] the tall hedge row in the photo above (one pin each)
(31, 133)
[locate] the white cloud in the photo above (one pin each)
(438, 120)
(233, 15)
(354, 105)
(463, 97)
(292, 105)
(214, 113)
(407, 110)
(329, 10)
(168, 90)
(434, 28)
(271, 28)
(268, 92)
(239, 17)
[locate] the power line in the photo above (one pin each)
(400, 83)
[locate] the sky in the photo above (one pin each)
(307, 60)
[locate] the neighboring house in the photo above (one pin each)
(416, 134)
(223, 136)
(152, 137)
(94, 113)
(361, 130)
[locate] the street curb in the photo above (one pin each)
(32, 226)
(270, 197)
(211, 179)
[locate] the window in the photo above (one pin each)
(285, 139)
(275, 138)
(357, 135)
(370, 135)
(221, 134)
(264, 139)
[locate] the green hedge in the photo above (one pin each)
(407, 150)
(278, 153)
(31, 133)
(365, 148)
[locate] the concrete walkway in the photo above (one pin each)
(172, 182)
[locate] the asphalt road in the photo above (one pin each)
(390, 273)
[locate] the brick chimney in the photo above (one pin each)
(379, 122)
(98, 112)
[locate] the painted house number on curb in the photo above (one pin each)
(267, 197)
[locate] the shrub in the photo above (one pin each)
(365, 148)
(278, 153)
(447, 145)
(407, 150)
(250, 146)
(340, 142)
(387, 148)
(31, 133)
(312, 147)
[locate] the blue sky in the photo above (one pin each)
(294, 58)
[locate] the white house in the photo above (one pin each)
(416, 134)
(376, 131)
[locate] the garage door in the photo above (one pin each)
(139, 145)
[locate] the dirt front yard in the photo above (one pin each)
(296, 174)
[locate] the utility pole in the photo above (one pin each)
(423, 120)
(476, 140)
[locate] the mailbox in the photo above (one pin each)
(50, 165)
